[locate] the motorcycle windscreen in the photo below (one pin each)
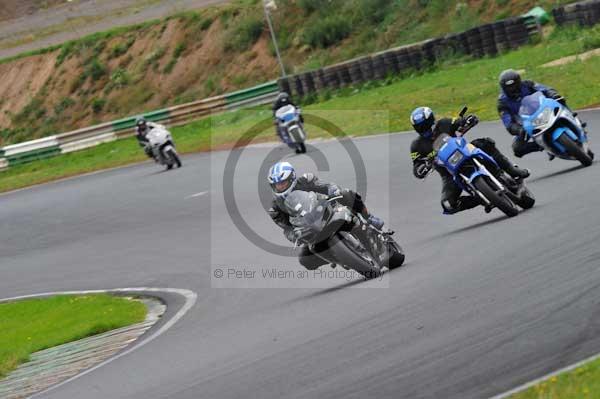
(306, 209)
(286, 113)
(531, 104)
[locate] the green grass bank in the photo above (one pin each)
(32, 325)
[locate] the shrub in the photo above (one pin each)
(95, 70)
(372, 12)
(179, 49)
(120, 78)
(98, 104)
(591, 39)
(64, 104)
(327, 31)
(310, 6)
(245, 34)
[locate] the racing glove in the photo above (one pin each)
(422, 168)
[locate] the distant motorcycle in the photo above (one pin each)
(477, 173)
(347, 238)
(289, 121)
(163, 148)
(554, 127)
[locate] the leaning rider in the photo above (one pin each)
(283, 180)
(512, 92)
(423, 155)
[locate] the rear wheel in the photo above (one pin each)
(575, 150)
(499, 200)
(397, 258)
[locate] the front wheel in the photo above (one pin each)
(575, 150)
(498, 199)
(300, 148)
(174, 157)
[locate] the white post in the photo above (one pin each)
(270, 4)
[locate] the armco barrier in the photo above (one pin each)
(489, 39)
(585, 13)
(95, 135)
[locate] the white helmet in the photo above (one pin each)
(282, 178)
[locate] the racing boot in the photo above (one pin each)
(464, 203)
(513, 170)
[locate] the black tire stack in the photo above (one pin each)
(488, 41)
(585, 13)
(485, 40)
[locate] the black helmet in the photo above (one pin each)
(510, 82)
(141, 122)
(422, 119)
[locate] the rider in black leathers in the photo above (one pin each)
(310, 182)
(423, 155)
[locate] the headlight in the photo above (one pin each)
(543, 118)
(455, 158)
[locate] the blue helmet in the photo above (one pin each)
(282, 178)
(423, 119)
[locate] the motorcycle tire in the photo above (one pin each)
(348, 256)
(526, 200)
(575, 150)
(397, 259)
(175, 158)
(499, 200)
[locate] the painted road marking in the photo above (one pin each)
(200, 194)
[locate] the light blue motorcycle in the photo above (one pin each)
(554, 127)
(477, 173)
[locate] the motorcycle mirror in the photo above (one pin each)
(463, 112)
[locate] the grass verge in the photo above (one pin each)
(32, 325)
(445, 88)
(582, 382)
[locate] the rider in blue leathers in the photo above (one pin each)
(513, 90)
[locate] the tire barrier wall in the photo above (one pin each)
(584, 13)
(485, 40)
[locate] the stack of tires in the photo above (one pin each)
(500, 36)
(585, 13)
(485, 40)
(488, 41)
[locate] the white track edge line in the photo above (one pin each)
(529, 384)
(190, 300)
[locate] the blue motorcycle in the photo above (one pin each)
(476, 173)
(554, 127)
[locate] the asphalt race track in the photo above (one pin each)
(484, 303)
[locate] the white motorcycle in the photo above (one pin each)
(288, 121)
(163, 148)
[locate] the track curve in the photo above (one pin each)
(483, 304)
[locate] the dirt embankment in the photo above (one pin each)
(11, 9)
(175, 61)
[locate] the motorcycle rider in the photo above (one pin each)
(423, 155)
(283, 180)
(512, 91)
(142, 128)
(281, 101)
